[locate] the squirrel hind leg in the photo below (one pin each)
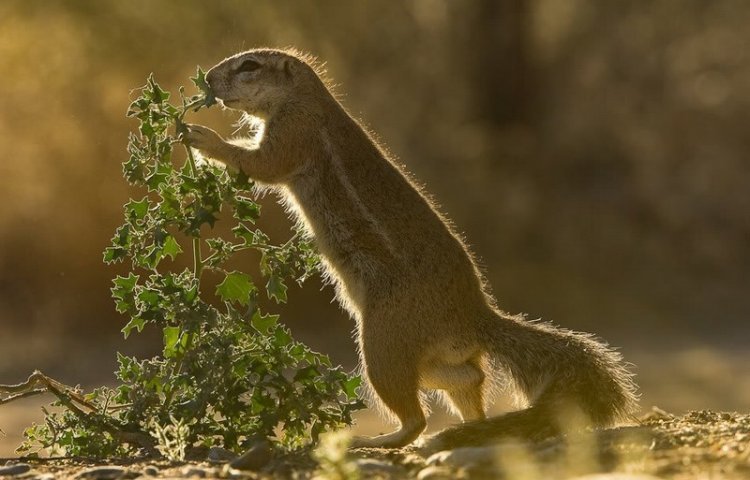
(400, 438)
(468, 402)
(461, 384)
(396, 388)
(411, 416)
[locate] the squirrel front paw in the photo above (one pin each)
(206, 140)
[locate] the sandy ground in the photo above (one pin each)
(698, 445)
(677, 381)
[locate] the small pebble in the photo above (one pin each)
(257, 457)
(15, 469)
(105, 473)
(220, 455)
(466, 456)
(150, 471)
(436, 473)
(190, 471)
(372, 467)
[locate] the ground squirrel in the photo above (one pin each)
(425, 318)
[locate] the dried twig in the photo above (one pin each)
(18, 396)
(72, 399)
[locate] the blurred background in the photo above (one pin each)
(595, 154)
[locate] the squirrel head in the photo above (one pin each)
(262, 82)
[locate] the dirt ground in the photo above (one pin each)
(698, 445)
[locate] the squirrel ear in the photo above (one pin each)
(288, 69)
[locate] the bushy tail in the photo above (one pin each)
(566, 377)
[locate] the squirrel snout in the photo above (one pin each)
(211, 78)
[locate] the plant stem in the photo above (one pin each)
(291, 240)
(197, 262)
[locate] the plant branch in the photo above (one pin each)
(197, 262)
(21, 395)
(49, 384)
(289, 242)
(70, 399)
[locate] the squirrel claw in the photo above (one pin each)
(202, 138)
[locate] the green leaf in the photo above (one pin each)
(174, 341)
(351, 385)
(114, 254)
(246, 210)
(236, 287)
(137, 106)
(220, 251)
(137, 210)
(171, 247)
(121, 242)
(276, 289)
(307, 373)
(124, 292)
(321, 359)
(201, 215)
(298, 352)
(147, 129)
(261, 403)
(135, 322)
(149, 297)
(243, 232)
(153, 91)
(199, 80)
(264, 323)
(159, 176)
(282, 337)
(219, 245)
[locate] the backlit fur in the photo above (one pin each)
(426, 320)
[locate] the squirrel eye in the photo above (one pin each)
(248, 66)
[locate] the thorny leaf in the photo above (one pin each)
(236, 287)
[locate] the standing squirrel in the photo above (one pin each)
(425, 318)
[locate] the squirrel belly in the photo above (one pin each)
(425, 317)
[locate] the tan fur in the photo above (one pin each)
(425, 318)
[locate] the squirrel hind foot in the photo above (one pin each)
(400, 438)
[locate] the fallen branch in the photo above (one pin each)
(73, 400)
(18, 396)
(31, 387)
